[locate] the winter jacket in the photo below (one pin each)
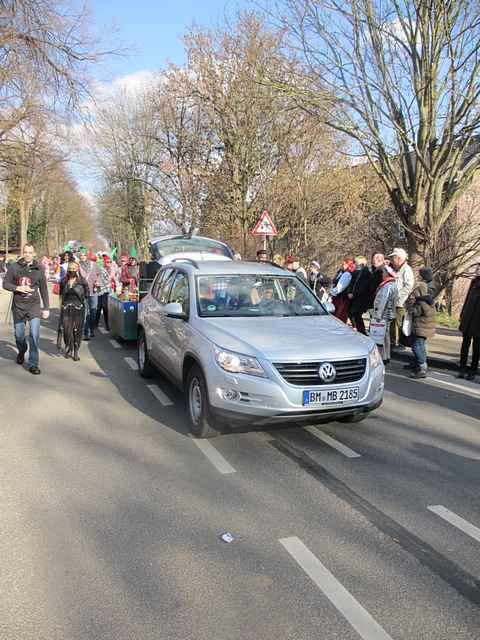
(76, 294)
(341, 282)
(470, 315)
(385, 303)
(360, 290)
(26, 305)
(405, 283)
(424, 314)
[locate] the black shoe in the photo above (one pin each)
(471, 375)
(86, 338)
(461, 374)
(21, 356)
(418, 374)
(35, 371)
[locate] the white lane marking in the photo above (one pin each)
(115, 344)
(431, 381)
(350, 453)
(103, 330)
(131, 363)
(359, 618)
(215, 457)
(160, 396)
(457, 521)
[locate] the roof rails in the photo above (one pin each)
(272, 264)
(194, 263)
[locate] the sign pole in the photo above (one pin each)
(265, 243)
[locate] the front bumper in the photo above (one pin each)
(271, 400)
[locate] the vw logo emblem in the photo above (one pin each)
(327, 372)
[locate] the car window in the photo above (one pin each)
(252, 295)
(164, 288)
(185, 245)
(157, 283)
(180, 291)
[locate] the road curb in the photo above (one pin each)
(437, 363)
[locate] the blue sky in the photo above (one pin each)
(154, 28)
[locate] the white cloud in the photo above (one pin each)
(130, 83)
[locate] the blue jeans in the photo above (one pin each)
(90, 316)
(419, 348)
(33, 339)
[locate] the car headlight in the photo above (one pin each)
(238, 363)
(374, 358)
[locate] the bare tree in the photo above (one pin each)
(401, 79)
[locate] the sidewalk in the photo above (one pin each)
(443, 350)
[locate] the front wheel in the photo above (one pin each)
(202, 423)
(145, 367)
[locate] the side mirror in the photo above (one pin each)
(330, 307)
(175, 310)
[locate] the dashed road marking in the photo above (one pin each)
(160, 396)
(346, 451)
(358, 617)
(457, 521)
(215, 457)
(115, 344)
(131, 363)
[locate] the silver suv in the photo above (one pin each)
(249, 343)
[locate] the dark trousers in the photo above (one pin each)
(103, 306)
(358, 323)
(467, 341)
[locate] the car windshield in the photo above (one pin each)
(254, 296)
(163, 248)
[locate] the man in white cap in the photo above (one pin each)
(405, 281)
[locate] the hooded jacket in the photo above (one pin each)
(470, 316)
(27, 305)
(424, 314)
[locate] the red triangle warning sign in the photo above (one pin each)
(265, 226)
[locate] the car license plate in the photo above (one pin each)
(332, 396)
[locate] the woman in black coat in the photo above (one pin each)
(74, 294)
(470, 328)
(359, 293)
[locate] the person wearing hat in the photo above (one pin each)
(470, 328)
(405, 282)
(420, 304)
(104, 285)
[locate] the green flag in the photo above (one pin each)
(133, 253)
(113, 253)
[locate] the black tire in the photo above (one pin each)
(145, 367)
(202, 423)
(355, 417)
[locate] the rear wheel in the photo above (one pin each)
(354, 417)
(202, 423)
(145, 367)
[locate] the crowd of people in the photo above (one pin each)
(82, 279)
(399, 306)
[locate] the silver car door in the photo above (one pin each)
(159, 345)
(176, 328)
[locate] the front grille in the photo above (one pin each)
(305, 374)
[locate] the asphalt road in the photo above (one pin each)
(111, 514)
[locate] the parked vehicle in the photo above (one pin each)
(249, 343)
